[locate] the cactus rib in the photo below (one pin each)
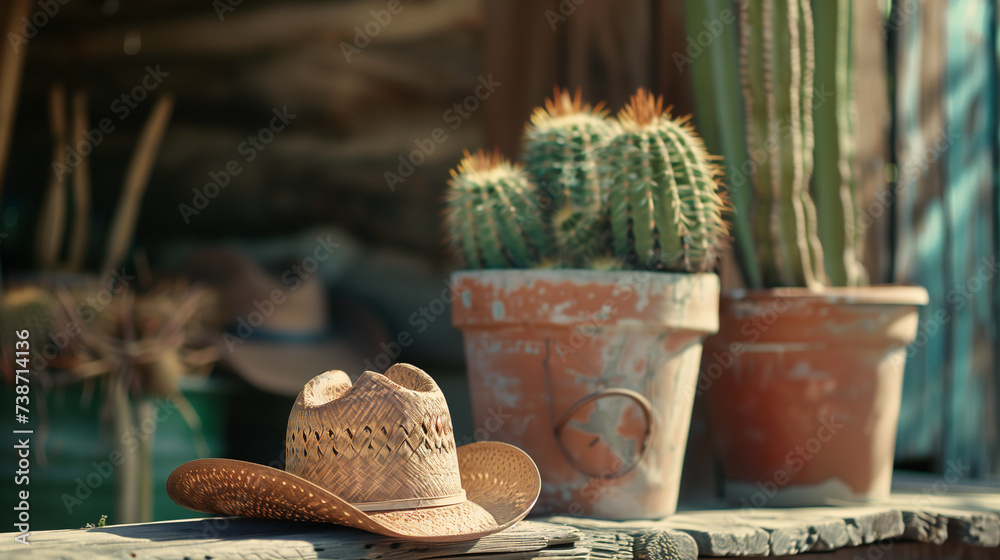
(561, 141)
(666, 207)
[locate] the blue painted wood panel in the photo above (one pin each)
(920, 223)
(970, 184)
(946, 228)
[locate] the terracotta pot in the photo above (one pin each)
(803, 391)
(593, 374)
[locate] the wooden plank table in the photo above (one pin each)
(223, 538)
(919, 521)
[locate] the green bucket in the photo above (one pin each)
(79, 480)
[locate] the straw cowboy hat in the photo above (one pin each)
(379, 456)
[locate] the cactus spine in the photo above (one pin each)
(561, 143)
(492, 216)
(665, 206)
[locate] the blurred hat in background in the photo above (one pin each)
(282, 328)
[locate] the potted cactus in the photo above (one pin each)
(803, 381)
(589, 297)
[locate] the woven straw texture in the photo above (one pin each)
(386, 439)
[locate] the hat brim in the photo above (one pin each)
(501, 483)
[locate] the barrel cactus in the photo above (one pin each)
(560, 144)
(492, 217)
(665, 204)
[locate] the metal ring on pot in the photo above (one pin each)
(647, 410)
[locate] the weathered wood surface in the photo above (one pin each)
(968, 518)
(603, 544)
(921, 522)
(631, 539)
(766, 531)
(222, 538)
(922, 513)
(902, 550)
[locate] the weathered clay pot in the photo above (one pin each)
(593, 374)
(803, 392)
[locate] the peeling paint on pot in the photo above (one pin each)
(821, 375)
(505, 388)
(566, 335)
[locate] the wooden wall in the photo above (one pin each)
(946, 236)
(609, 49)
(361, 102)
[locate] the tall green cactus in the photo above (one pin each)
(776, 54)
(791, 241)
(492, 214)
(720, 120)
(561, 143)
(665, 206)
(839, 226)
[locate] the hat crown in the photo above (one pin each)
(383, 443)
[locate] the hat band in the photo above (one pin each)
(411, 503)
